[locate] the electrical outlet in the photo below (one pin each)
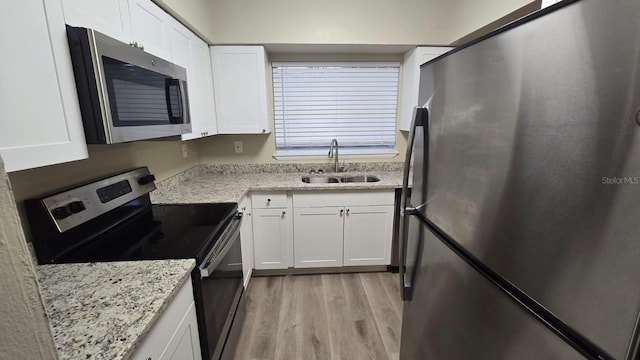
(185, 151)
(237, 147)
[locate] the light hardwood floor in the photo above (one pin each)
(332, 316)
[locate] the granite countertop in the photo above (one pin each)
(204, 184)
(102, 310)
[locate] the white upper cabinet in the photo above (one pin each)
(150, 27)
(41, 122)
(108, 17)
(240, 85)
(411, 80)
(546, 3)
(192, 53)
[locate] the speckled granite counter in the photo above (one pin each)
(102, 310)
(229, 183)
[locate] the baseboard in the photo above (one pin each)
(315, 271)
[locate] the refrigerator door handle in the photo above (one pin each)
(420, 116)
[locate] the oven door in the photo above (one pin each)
(221, 289)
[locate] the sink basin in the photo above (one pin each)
(319, 180)
(359, 179)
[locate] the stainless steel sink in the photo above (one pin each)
(359, 179)
(335, 180)
(320, 180)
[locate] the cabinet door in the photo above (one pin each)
(271, 239)
(411, 80)
(150, 27)
(317, 236)
(41, 122)
(246, 239)
(240, 86)
(174, 335)
(367, 235)
(201, 99)
(185, 343)
(108, 17)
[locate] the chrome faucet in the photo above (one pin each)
(334, 142)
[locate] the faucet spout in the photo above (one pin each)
(334, 145)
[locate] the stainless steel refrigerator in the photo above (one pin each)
(521, 238)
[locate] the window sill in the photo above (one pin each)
(346, 155)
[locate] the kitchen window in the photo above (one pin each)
(353, 102)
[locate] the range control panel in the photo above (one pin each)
(71, 208)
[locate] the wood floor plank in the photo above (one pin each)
(315, 330)
(386, 318)
(244, 341)
(331, 316)
(263, 342)
(341, 334)
(368, 342)
(391, 284)
(289, 336)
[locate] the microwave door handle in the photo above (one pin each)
(184, 102)
(168, 84)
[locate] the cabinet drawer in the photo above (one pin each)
(266, 200)
(342, 198)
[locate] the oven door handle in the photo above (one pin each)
(216, 255)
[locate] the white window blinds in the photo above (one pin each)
(355, 103)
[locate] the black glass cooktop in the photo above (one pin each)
(188, 230)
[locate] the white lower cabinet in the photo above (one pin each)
(246, 238)
(271, 238)
(272, 228)
(342, 228)
(318, 233)
(368, 231)
(168, 341)
(315, 229)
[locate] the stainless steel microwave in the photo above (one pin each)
(125, 93)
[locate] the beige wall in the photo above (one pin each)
(194, 14)
(471, 15)
(164, 159)
(416, 22)
(330, 21)
(24, 328)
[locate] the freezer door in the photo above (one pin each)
(534, 162)
(456, 314)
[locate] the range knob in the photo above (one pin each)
(146, 179)
(76, 206)
(61, 212)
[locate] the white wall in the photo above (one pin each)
(24, 328)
